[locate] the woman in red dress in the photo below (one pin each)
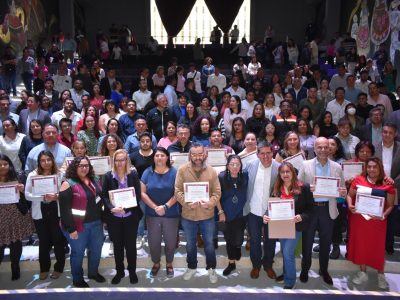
(366, 244)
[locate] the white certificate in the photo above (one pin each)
(101, 164)
(196, 191)
(370, 205)
(246, 158)
(125, 198)
(281, 209)
(9, 193)
(296, 160)
(216, 157)
(327, 187)
(179, 159)
(352, 169)
(42, 185)
(68, 160)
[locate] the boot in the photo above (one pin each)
(335, 252)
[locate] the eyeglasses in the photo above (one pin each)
(197, 154)
(85, 166)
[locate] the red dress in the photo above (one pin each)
(366, 244)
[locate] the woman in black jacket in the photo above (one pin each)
(288, 187)
(122, 221)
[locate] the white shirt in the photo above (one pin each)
(362, 86)
(11, 147)
(337, 81)
(62, 82)
(196, 75)
(58, 115)
(78, 97)
(141, 98)
(249, 107)
(170, 93)
(336, 110)
(387, 155)
(259, 199)
(217, 80)
(241, 92)
(385, 101)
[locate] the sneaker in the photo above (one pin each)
(360, 277)
(382, 283)
(213, 275)
(139, 242)
(189, 274)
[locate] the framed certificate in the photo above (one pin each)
(281, 209)
(42, 185)
(101, 164)
(125, 198)
(369, 205)
(352, 169)
(327, 187)
(179, 159)
(196, 191)
(246, 158)
(216, 157)
(68, 160)
(9, 193)
(296, 160)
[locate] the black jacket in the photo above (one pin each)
(304, 206)
(157, 121)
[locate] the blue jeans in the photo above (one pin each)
(140, 231)
(288, 247)
(27, 78)
(256, 229)
(207, 228)
(92, 238)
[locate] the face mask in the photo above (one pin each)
(214, 114)
(351, 111)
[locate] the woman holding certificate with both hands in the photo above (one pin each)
(288, 187)
(46, 216)
(367, 233)
(122, 221)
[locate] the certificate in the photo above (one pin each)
(352, 169)
(125, 198)
(179, 159)
(101, 164)
(68, 160)
(196, 191)
(369, 205)
(246, 158)
(42, 185)
(216, 157)
(296, 160)
(280, 209)
(9, 193)
(327, 187)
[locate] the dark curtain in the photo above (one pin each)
(173, 14)
(224, 13)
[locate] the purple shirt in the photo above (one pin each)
(121, 185)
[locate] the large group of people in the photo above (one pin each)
(261, 125)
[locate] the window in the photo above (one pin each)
(199, 24)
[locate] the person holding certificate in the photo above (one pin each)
(291, 146)
(288, 187)
(324, 210)
(198, 191)
(234, 183)
(250, 143)
(367, 234)
(122, 222)
(81, 213)
(162, 211)
(15, 221)
(45, 213)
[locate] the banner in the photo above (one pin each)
(363, 42)
(380, 24)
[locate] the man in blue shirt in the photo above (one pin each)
(132, 142)
(127, 120)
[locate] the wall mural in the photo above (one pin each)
(363, 41)
(380, 25)
(25, 19)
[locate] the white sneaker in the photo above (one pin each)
(360, 277)
(189, 274)
(382, 283)
(213, 275)
(139, 242)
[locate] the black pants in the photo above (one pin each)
(340, 224)
(123, 232)
(234, 236)
(393, 222)
(50, 235)
(15, 252)
(321, 220)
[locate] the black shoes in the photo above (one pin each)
(280, 279)
(304, 276)
(80, 284)
(335, 252)
(97, 277)
(229, 269)
(133, 278)
(316, 248)
(117, 278)
(389, 250)
(215, 243)
(15, 271)
(326, 277)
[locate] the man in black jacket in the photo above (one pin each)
(158, 117)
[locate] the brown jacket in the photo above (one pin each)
(187, 174)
